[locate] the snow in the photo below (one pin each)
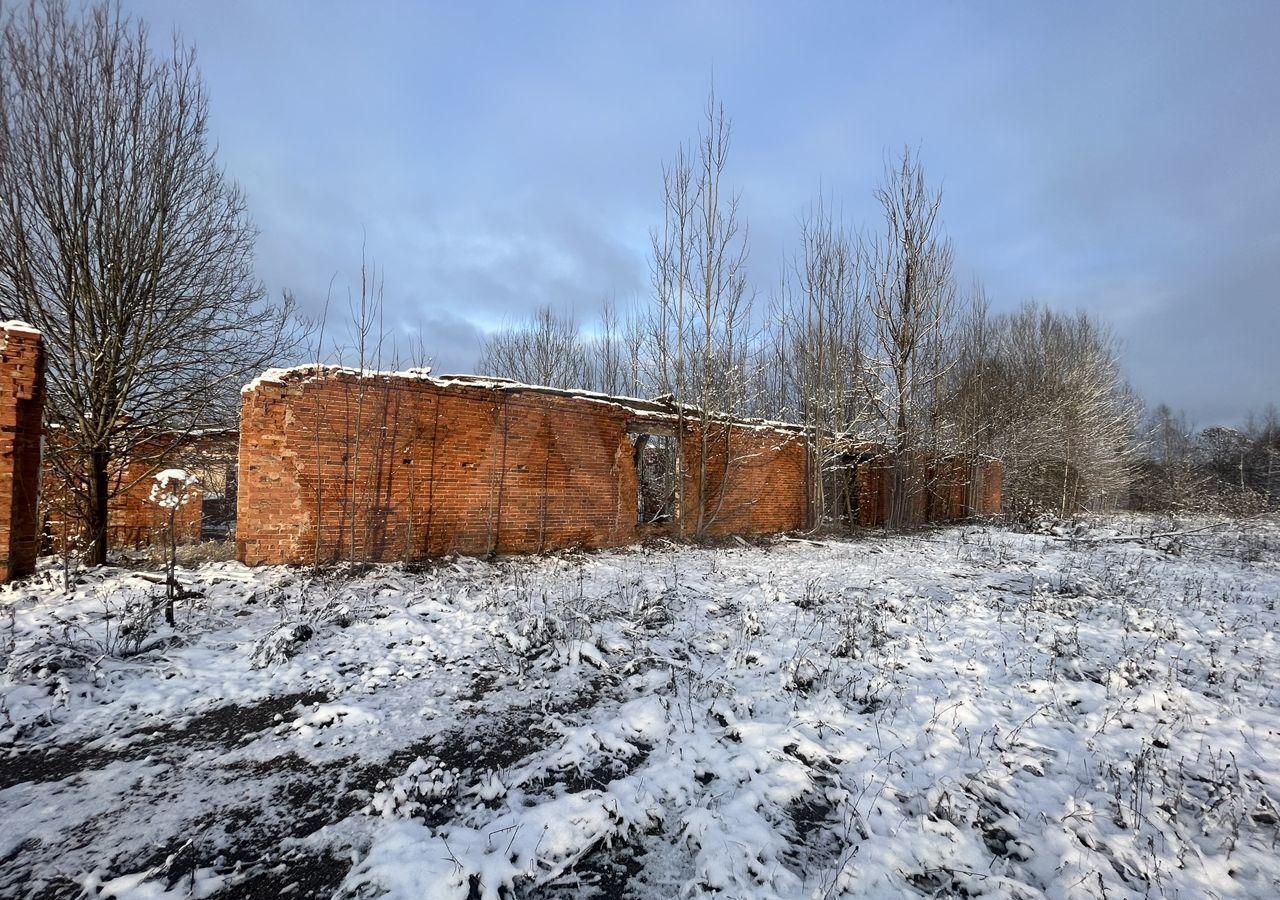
(964, 712)
(170, 488)
(12, 326)
(651, 410)
(309, 371)
(179, 476)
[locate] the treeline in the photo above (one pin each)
(866, 338)
(1216, 469)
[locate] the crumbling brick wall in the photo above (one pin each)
(133, 518)
(950, 484)
(398, 468)
(950, 488)
(386, 467)
(21, 412)
(335, 466)
(755, 482)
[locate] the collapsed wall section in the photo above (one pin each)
(386, 467)
(21, 414)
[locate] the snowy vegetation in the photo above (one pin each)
(1068, 710)
(1077, 710)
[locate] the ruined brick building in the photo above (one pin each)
(402, 466)
(134, 519)
(335, 464)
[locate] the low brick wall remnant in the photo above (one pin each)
(133, 518)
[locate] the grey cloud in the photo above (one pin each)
(1116, 157)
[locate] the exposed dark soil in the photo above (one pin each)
(220, 727)
(254, 846)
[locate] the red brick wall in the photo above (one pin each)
(873, 493)
(21, 413)
(949, 481)
(755, 480)
(399, 467)
(404, 468)
(989, 476)
(134, 520)
(955, 488)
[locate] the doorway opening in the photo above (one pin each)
(658, 468)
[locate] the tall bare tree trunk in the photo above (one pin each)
(99, 505)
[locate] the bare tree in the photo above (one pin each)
(1044, 392)
(547, 348)
(171, 491)
(820, 318)
(700, 325)
(913, 306)
(1227, 450)
(1171, 439)
(1264, 436)
(671, 267)
(124, 243)
(364, 444)
(608, 364)
(1221, 469)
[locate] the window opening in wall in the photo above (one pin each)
(657, 458)
(218, 507)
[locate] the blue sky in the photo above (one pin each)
(1119, 157)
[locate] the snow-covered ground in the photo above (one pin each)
(963, 713)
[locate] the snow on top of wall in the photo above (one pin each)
(18, 325)
(312, 371)
(636, 404)
(665, 409)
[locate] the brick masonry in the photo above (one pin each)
(134, 520)
(387, 467)
(756, 480)
(21, 413)
(401, 467)
(953, 488)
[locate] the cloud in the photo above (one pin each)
(491, 159)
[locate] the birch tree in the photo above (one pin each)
(700, 322)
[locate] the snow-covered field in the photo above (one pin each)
(964, 713)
